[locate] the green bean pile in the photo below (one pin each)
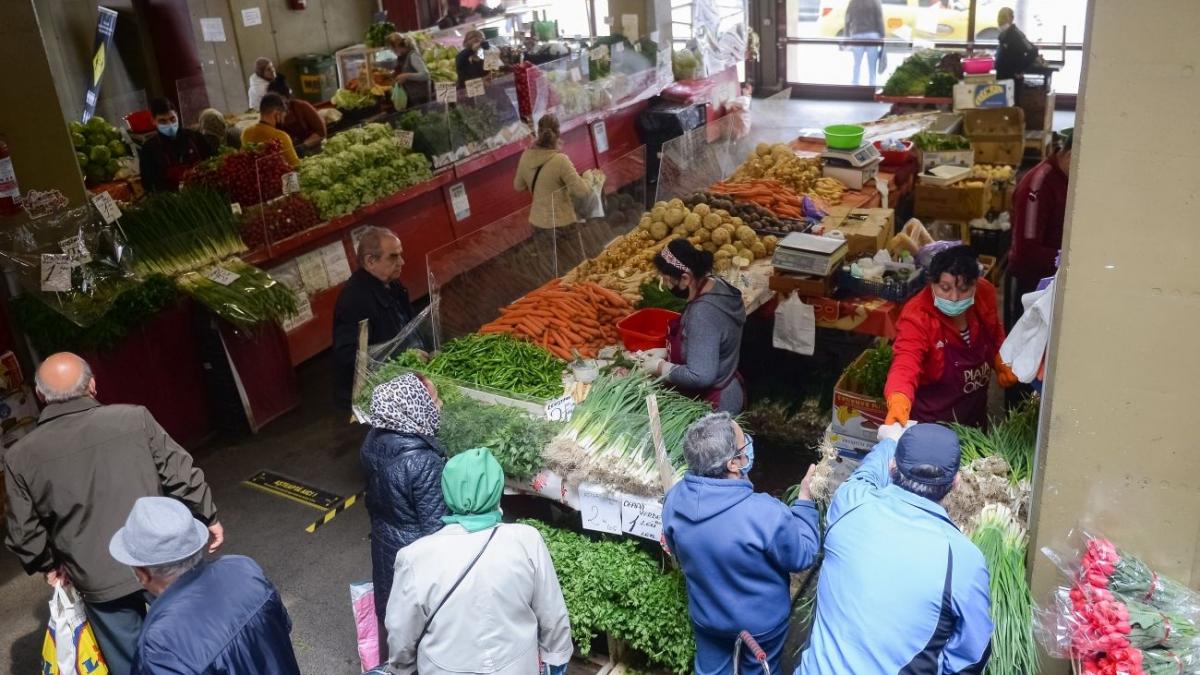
(499, 361)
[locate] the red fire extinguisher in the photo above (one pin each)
(10, 194)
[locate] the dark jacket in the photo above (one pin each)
(864, 16)
(1039, 211)
(404, 498)
(1015, 54)
(164, 160)
(222, 618)
(73, 480)
(469, 66)
(387, 308)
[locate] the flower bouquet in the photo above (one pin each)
(1105, 566)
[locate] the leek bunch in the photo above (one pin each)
(1003, 542)
(175, 232)
(253, 298)
(1014, 439)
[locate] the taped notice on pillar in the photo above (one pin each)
(447, 92)
(600, 510)
(641, 516)
(458, 200)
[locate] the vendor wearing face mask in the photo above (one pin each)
(947, 343)
(705, 342)
(167, 156)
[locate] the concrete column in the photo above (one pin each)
(31, 117)
(1118, 444)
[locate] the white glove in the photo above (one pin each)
(894, 431)
(660, 353)
(651, 365)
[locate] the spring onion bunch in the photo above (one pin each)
(253, 298)
(1003, 542)
(175, 232)
(1014, 439)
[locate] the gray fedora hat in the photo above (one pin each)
(158, 531)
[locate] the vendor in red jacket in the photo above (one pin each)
(947, 343)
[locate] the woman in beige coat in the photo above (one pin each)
(545, 171)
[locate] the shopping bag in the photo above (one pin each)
(70, 646)
(399, 97)
(362, 600)
(795, 326)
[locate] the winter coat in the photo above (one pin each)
(404, 498)
(552, 204)
(712, 345)
(864, 16)
(387, 310)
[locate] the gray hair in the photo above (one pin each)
(371, 243)
(172, 571)
(77, 390)
(934, 493)
(709, 445)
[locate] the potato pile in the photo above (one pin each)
(802, 174)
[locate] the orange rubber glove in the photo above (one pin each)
(1005, 376)
(899, 408)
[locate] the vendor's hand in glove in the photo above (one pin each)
(653, 365)
(899, 408)
(660, 353)
(1005, 376)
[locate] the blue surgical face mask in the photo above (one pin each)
(953, 307)
(748, 450)
(168, 130)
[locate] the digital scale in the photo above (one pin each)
(809, 254)
(855, 168)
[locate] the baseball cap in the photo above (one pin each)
(158, 531)
(929, 445)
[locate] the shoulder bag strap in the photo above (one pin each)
(538, 172)
(425, 628)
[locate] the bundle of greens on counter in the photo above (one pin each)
(174, 232)
(613, 587)
(500, 361)
(240, 293)
(912, 77)
(50, 331)
(939, 142)
(1013, 438)
(655, 295)
(348, 99)
(357, 167)
(377, 33)
(868, 374)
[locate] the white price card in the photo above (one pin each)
(251, 16)
(312, 272)
(303, 314)
(641, 516)
(447, 92)
(236, 208)
(599, 509)
(491, 60)
(337, 265)
(575, 74)
(107, 207)
(600, 135)
(458, 200)
(291, 182)
(475, 87)
(76, 249)
(220, 275)
(405, 138)
(56, 272)
(560, 409)
(599, 53)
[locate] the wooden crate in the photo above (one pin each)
(997, 135)
(951, 203)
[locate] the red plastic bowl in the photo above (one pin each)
(645, 329)
(978, 65)
(140, 122)
(895, 157)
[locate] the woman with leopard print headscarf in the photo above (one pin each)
(403, 463)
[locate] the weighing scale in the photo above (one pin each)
(809, 254)
(855, 168)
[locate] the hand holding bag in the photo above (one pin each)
(70, 647)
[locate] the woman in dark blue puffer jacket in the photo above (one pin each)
(403, 464)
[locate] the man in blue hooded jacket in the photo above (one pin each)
(902, 591)
(737, 548)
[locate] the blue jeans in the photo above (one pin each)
(872, 54)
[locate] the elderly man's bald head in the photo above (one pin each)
(64, 377)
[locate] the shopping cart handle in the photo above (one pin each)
(750, 642)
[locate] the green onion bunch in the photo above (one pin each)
(1003, 542)
(1013, 439)
(175, 232)
(252, 299)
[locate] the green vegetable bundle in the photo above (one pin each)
(868, 374)
(1002, 540)
(515, 437)
(249, 300)
(357, 167)
(654, 295)
(377, 33)
(1014, 439)
(912, 77)
(98, 146)
(133, 305)
(933, 141)
(174, 232)
(346, 99)
(613, 587)
(500, 361)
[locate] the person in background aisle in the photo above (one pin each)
(402, 460)
(72, 480)
(947, 342)
(927, 609)
(705, 342)
(864, 21)
(372, 292)
(300, 120)
(411, 72)
(546, 172)
(208, 617)
(167, 156)
(270, 118)
(262, 77)
(214, 129)
(1039, 211)
(478, 596)
(469, 64)
(737, 548)
(1015, 54)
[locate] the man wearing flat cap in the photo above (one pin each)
(901, 590)
(216, 616)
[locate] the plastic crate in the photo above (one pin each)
(893, 291)
(991, 242)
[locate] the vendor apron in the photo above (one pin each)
(675, 355)
(961, 395)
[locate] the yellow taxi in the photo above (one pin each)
(923, 19)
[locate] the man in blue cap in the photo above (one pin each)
(901, 590)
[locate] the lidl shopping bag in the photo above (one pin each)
(362, 601)
(70, 647)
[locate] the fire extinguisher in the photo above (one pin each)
(298, 4)
(10, 194)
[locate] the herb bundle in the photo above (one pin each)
(249, 300)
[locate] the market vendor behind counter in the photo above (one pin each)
(167, 156)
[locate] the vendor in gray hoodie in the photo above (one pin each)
(704, 343)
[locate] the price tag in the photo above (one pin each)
(405, 138)
(600, 135)
(107, 207)
(641, 517)
(291, 182)
(56, 272)
(303, 314)
(76, 249)
(560, 409)
(575, 74)
(475, 87)
(458, 200)
(599, 53)
(220, 275)
(491, 60)
(447, 92)
(600, 510)
(236, 208)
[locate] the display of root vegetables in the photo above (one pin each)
(757, 217)
(249, 176)
(766, 192)
(801, 174)
(566, 320)
(277, 220)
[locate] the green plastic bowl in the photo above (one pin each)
(844, 136)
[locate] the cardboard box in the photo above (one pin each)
(997, 135)
(999, 94)
(850, 448)
(952, 202)
(1038, 104)
(947, 158)
(854, 415)
(804, 285)
(866, 230)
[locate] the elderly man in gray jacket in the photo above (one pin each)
(71, 482)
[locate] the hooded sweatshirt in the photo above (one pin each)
(712, 342)
(737, 548)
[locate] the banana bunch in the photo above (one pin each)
(829, 189)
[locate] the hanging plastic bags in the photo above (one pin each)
(362, 601)
(70, 647)
(795, 326)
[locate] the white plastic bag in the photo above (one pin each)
(795, 326)
(70, 647)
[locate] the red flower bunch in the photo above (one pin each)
(1102, 622)
(1120, 662)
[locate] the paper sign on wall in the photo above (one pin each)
(474, 87)
(447, 92)
(600, 135)
(251, 16)
(56, 272)
(303, 314)
(600, 510)
(458, 200)
(337, 265)
(641, 516)
(312, 272)
(212, 29)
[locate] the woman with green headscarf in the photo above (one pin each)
(476, 596)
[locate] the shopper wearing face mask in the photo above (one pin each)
(947, 343)
(168, 155)
(736, 547)
(704, 343)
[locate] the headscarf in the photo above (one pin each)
(260, 66)
(212, 122)
(472, 483)
(404, 405)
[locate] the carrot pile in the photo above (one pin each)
(767, 193)
(581, 317)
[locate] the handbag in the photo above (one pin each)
(70, 646)
(425, 628)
